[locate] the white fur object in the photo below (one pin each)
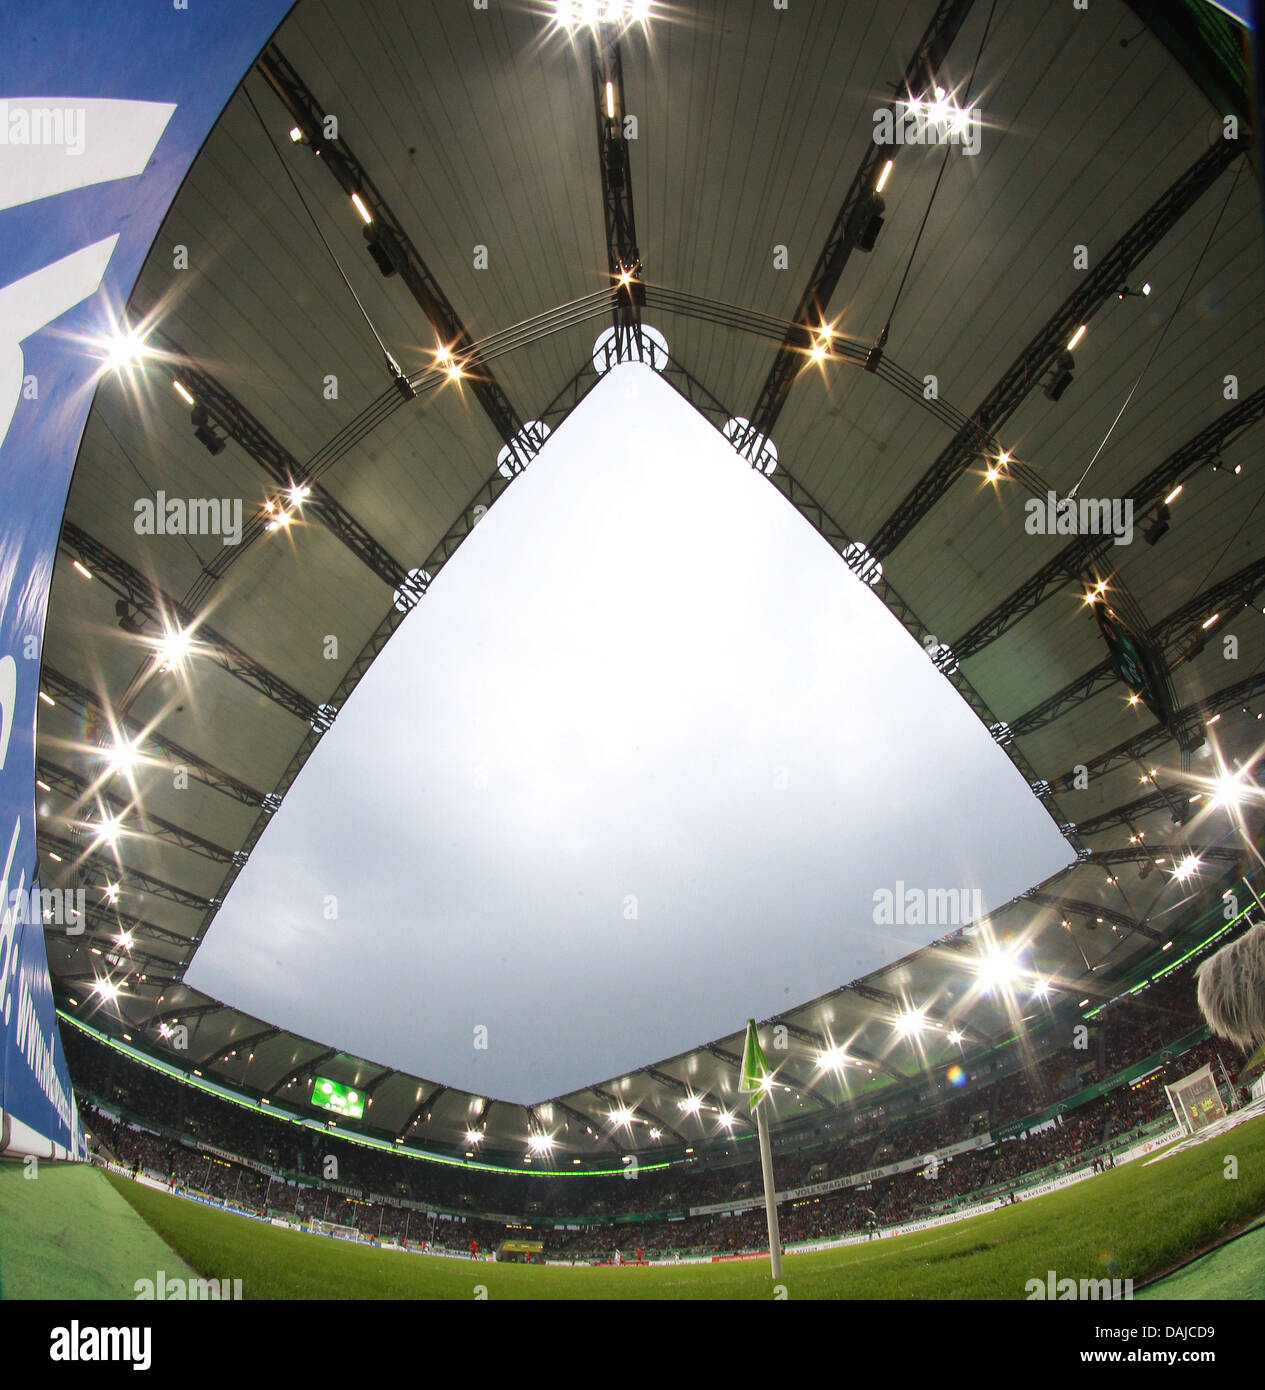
(1232, 989)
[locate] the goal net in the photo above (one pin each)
(332, 1228)
(1196, 1101)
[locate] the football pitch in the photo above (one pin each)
(1136, 1222)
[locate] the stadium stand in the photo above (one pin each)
(201, 1144)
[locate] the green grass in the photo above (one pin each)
(1235, 1270)
(68, 1234)
(1133, 1222)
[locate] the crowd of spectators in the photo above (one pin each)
(1146, 1023)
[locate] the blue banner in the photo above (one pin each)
(103, 107)
(39, 1105)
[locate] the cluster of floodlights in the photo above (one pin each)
(282, 512)
(122, 755)
(695, 1104)
(1157, 527)
(124, 351)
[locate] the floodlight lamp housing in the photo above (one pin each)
(866, 222)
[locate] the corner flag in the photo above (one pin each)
(755, 1067)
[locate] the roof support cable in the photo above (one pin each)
(876, 352)
(400, 381)
(1168, 323)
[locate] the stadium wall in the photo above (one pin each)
(102, 111)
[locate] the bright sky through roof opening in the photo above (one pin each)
(631, 772)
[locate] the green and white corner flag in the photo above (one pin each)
(755, 1067)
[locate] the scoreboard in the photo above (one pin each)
(341, 1100)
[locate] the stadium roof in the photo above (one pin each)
(462, 132)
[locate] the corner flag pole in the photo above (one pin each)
(770, 1192)
(755, 1074)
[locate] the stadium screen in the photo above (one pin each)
(342, 1100)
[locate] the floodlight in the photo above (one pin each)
(108, 830)
(1061, 376)
(123, 757)
(381, 247)
(910, 1023)
(1188, 866)
(129, 621)
(865, 222)
(204, 430)
(1159, 527)
(123, 348)
(173, 649)
(996, 968)
(1228, 790)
